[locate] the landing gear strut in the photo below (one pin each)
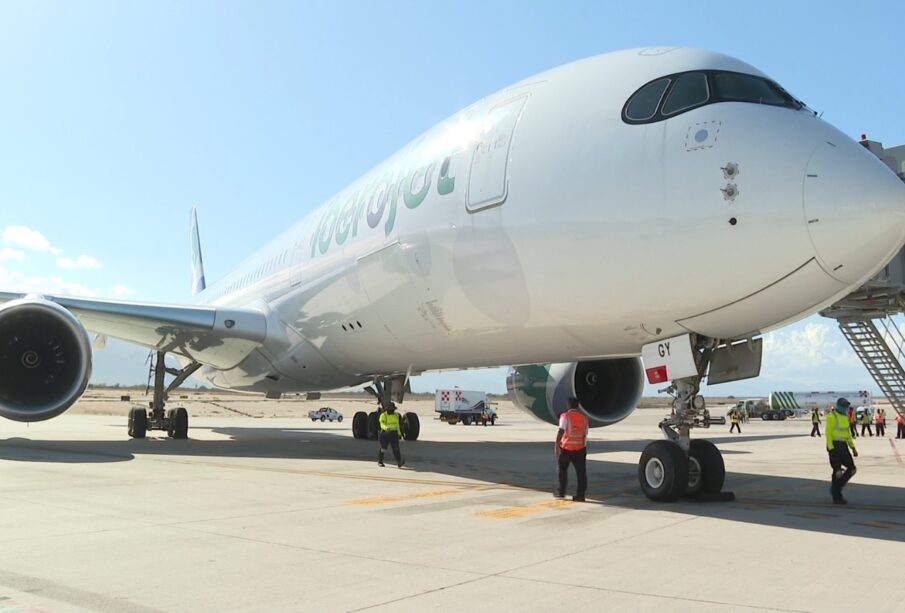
(679, 466)
(174, 421)
(386, 390)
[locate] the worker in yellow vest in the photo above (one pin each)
(735, 418)
(815, 421)
(390, 435)
(571, 448)
(838, 441)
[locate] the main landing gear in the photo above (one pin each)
(386, 390)
(679, 466)
(174, 421)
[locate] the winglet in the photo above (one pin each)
(197, 264)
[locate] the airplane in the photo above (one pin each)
(604, 212)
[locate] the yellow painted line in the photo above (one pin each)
(809, 515)
(390, 499)
(531, 509)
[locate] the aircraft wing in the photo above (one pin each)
(219, 337)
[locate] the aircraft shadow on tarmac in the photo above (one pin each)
(779, 501)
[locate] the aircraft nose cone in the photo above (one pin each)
(855, 210)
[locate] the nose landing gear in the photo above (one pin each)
(678, 466)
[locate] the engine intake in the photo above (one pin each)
(45, 359)
(608, 390)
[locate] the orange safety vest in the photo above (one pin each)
(899, 419)
(878, 417)
(576, 431)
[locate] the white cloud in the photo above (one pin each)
(11, 254)
(122, 291)
(22, 236)
(17, 282)
(83, 261)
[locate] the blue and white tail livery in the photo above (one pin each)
(198, 283)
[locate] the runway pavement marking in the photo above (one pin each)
(879, 523)
(812, 515)
(531, 509)
(389, 499)
(895, 450)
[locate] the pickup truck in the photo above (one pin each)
(325, 414)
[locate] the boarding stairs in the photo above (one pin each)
(866, 316)
(881, 353)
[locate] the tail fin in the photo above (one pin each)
(197, 264)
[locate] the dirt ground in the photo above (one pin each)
(206, 403)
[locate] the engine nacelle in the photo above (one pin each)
(608, 390)
(45, 359)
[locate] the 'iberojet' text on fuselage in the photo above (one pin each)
(378, 202)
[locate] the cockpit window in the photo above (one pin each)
(746, 88)
(689, 90)
(643, 105)
(671, 95)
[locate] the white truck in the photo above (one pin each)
(469, 407)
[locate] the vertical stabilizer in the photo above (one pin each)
(197, 263)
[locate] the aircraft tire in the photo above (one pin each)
(411, 426)
(373, 425)
(138, 422)
(712, 470)
(359, 425)
(180, 423)
(170, 419)
(663, 471)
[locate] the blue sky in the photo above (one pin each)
(117, 117)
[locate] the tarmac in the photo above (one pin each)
(282, 514)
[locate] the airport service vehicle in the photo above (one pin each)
(801, 403)
(325, 414)
(468, 407)
(566, 225)
(756, 407)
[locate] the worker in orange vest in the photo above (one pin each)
(880, 422)
(571, 448)
(900, 426)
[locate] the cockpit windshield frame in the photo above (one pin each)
(780, 97)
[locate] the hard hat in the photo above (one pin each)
(843, 403)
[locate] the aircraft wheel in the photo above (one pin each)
(663, 471)
(360, 425)
(138, 422)
(373, 425)
(170, 419)
(706, 470)
(411, 427)
(180, 423)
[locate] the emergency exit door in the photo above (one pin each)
(488, 181)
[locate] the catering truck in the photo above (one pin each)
(469, 407)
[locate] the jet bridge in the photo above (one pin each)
(866, 316)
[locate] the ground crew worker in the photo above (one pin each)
(852, 422)
(390, 433)
(900, 426)
(865, 421)
(571, 448)
(815, 420)
(838, 441)
(734, 417)
(880, 422)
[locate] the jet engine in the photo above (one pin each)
(608, 390)
(45, 359)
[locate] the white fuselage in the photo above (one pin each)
(538, 226)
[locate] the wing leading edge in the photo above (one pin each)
(210, 335)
